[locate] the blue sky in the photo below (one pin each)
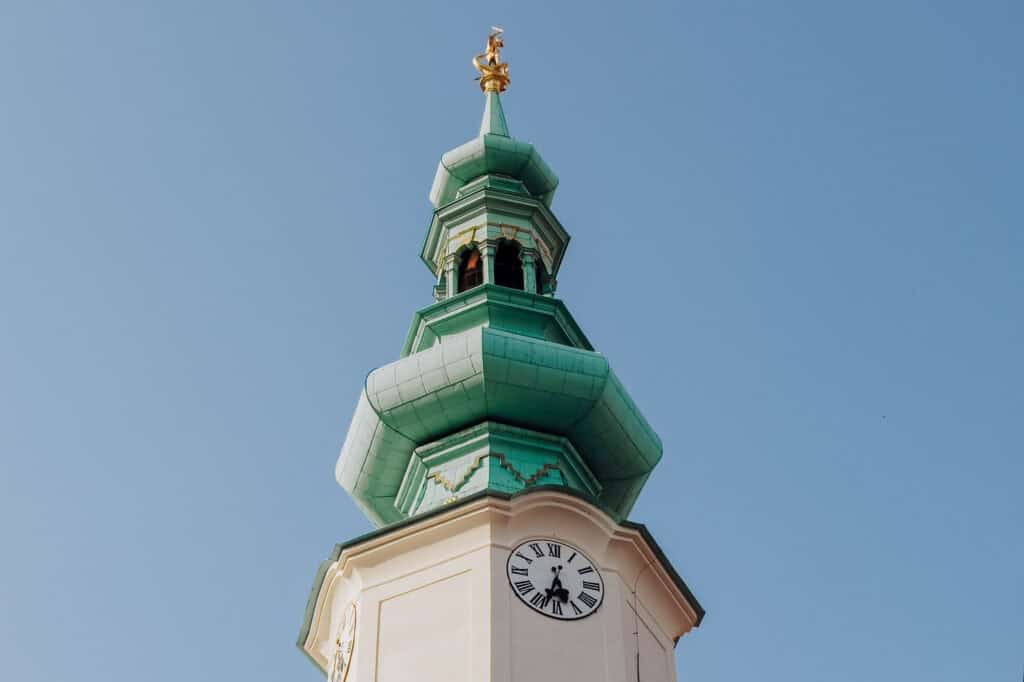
(797, 237)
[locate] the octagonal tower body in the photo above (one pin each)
(432, 602)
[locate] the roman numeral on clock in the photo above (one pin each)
(524, 557)
(596, 587)
(587, 569)
(575, 608)
(519, 571)
(537, 599)
(588, 600)
(556, 607)
(536, 549)
(525, 587)
(554, 550)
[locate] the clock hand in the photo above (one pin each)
(550, 591)
(556, 589)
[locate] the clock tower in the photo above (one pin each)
(499, 459)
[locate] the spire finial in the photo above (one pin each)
(494, 116)
(493, 74)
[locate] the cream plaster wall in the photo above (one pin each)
(433, 601)
(416, 626)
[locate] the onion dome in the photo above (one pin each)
(493, 152)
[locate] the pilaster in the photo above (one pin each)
(488, 251)
(529, 271)
(450, 275)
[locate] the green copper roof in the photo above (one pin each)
(494, 151)
(497, 388)
(489, 374)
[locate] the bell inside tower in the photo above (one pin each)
(471, 269)
(508, 266)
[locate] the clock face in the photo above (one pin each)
(344, 644)
(555, 578)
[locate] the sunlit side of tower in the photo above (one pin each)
(499, 458)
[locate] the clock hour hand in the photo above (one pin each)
(556, 589)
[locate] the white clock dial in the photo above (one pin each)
(555, 578)
(344, 644)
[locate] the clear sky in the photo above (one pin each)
(797, 235)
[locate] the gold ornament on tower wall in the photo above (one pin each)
(493, 73)
(344, 644)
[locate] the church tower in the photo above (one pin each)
(499, 458)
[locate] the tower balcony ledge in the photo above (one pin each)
(498, 307)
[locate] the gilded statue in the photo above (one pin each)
(493, 74)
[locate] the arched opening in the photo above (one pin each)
(471, 269)
(508, 267)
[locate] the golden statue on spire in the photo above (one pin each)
(493, 74)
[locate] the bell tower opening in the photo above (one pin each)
(471, 269)
(508, 265)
